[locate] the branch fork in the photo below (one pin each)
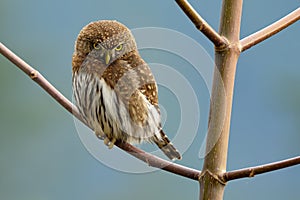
(219, 41)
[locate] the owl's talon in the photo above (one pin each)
(106, 141)
(111, 144)
(100, 135)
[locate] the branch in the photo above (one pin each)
(157, 162)
(39, 79)
(202, 25)
(252, 171)
(216, 152)
(270, 30)
(138, 153)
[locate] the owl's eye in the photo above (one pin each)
(97, 46)
(119, 47)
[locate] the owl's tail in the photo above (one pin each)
(167, 147)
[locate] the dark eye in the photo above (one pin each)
(97, 46)
(119, 47)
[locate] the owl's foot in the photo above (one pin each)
(109, 143)
(100, 135)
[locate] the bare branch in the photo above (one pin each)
(39, 79)
(270, 30)
(202, 25)
(138, 153)
(215, 160)
(252, 171)
(154, 161)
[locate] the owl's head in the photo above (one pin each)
(105, 40)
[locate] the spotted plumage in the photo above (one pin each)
(114, 89)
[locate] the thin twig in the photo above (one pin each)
(270, 30)
(219, 41)
(138, 153)
(252, 171)
(39, 79)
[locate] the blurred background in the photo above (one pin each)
(41, 155)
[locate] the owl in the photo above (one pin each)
(114, 89)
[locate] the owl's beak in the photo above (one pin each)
(107, 57)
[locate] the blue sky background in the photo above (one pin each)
(41, 156)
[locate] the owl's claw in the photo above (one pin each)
(109, 143)
(100, 135)
(112, 142)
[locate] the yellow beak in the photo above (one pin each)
(107, 57)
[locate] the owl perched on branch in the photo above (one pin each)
(114, 89)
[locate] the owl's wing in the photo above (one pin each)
(136, 96)
(144, 77)
(148, 89)
(148, 85)
(132, 76)
(136, 89)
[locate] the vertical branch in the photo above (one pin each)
(211, 183)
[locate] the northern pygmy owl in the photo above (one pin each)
(114, 89)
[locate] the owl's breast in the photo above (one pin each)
(108, 109)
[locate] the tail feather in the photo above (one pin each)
(167, 147)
